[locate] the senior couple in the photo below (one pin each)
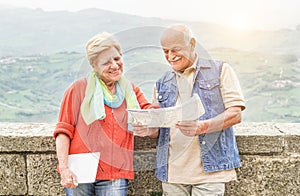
(193, 157)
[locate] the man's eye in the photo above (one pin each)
(176, 49)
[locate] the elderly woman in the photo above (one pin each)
(93, 118)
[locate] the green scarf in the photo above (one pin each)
(97, 94)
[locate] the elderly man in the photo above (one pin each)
(196, 157)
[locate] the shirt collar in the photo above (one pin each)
(188, 70)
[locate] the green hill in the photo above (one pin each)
(41, 53)
(32, 86)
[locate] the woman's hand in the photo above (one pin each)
(68, 178)
(143, 131)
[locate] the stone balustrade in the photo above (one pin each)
(269, 152)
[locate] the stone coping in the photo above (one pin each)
(245, 128)
(267, 129)
(26, 129)
(251, 138)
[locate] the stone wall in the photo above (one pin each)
(269, 151)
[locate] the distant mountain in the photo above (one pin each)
(33, 31)
(26, 31)
(41, 53)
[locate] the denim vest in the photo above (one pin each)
(218, 149)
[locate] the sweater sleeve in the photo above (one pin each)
(70, 108)
(66, 120)
(144, 103)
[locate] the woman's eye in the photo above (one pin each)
(105, 64)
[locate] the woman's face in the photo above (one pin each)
(109, 65)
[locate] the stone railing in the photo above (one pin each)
(269, 151)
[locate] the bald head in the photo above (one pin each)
(178, 30)
(178, 45)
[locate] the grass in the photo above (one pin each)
(31, 88)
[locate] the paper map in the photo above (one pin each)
(192, 109)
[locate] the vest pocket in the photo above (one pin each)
(163, 96)
(209, 84)
(209, 91)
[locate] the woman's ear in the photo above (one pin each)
(92, 63)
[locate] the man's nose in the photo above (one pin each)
(171, 55)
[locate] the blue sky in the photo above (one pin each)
(242, 14)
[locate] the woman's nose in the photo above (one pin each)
(114, 64)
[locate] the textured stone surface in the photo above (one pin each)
(292, 145)
(42, 176)
(261, 175)
(12, 174)
(292, 137)
(24, 137)
(260, 144)
(144, 160)
(268, 138)
(27, 144)
(145, 183)
(270, 155)
(144, 143)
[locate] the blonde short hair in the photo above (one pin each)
(98, 44)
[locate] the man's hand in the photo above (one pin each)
(143, 131)
(192, 127)
(68, 178)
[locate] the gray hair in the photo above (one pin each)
(98, 44)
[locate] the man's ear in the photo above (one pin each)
(193, 43)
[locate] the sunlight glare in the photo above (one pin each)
(240, 21)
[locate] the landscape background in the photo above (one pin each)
(42, 52)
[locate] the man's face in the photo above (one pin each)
(178, 52)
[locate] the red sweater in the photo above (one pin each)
(109, 136)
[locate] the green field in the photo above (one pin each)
(31, 87)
